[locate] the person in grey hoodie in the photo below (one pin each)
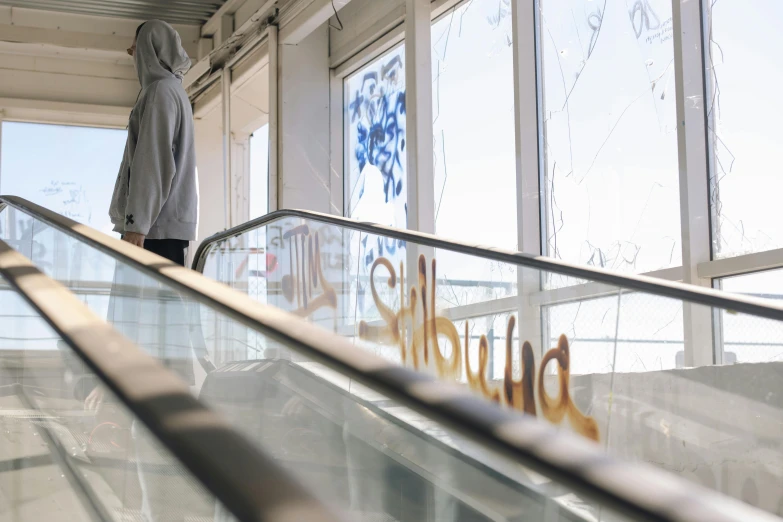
(155, 200)
(155, 207)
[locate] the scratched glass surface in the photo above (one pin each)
(356, 448)
(611, 184)
(606, 363)
(472, 90)
(752, 340)
(375, 154)
(70, 170)
(744, 62)
(625, 333)
(75, 462)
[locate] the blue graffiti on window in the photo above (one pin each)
(376, 110)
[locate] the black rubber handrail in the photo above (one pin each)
(650, 285)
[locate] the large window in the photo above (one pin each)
(375, 166)
(610, 173)
(474, 152)
(473, 124)
(70, 170)
(744, 106)
(611, 194)
(611, 183)
(746, 45)
(614, 153)
(375, 141)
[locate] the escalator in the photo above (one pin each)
(133, 455)
(630, 360)
(370, 437)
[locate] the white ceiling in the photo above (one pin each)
(188, 12)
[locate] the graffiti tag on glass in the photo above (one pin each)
(416, 327)
(424, 347)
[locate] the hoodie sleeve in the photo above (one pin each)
(152, 167)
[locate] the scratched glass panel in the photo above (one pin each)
(752, 339)
(611, 190)
(473, 124)
(645, 336)
(614, 360)
(471, 49)
(744, 58)
(67, 169)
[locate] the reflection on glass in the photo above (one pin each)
(611, 185)
(752, 339)
(744, 61)
(353, 447)
(375, 141)
(603, 362)
(67, 169)
(75, 452)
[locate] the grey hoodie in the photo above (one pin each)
(156, 193)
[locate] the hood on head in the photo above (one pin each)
(159, 54)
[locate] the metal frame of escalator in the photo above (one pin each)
(251, 485)
(671, 289)
(638, 491)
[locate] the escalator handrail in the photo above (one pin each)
(250, 484)
(640, 283)
(639, 491)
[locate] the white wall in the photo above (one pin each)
(364, 21)
(304, 124)
(209, 158)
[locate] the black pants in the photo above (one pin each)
(171, 249)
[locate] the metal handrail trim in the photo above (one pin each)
(650, 285)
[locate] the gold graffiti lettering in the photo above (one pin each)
(307, 277)
(425, 347)
(520, 394)
(563, 406)
(424, 339)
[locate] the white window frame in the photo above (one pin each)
(703, 342)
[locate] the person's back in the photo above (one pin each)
(155, 206)
(155, 201)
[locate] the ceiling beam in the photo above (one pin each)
(301, 22)
(105, 34)
(89, 115)
(212, 25)
(245, 35)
